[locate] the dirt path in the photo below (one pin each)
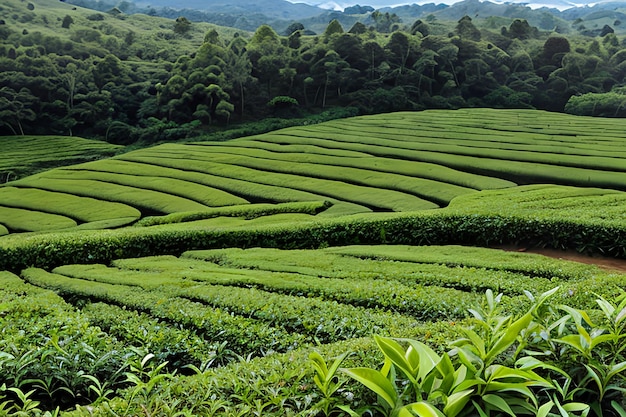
(607, 263)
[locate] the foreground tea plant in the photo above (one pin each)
(550, 361)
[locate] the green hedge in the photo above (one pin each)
(48, 347)
(243, 335)
(314, 167)
(362, 160)
(357, 277)
(326, 314)
(207, 196)
(23, 220)
(529, 264)
(178, 346)
(192, 185)
(142, 199)
(248, 211)
(24, 155)
(246, 188)
(379, 198)
(427, 228)
(519, 172)
(82, 209)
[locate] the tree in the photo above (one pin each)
(350, 48)
(182, 26)
(212, 37)
(420, 27)
(333, 28)
(329, 69)
(67, 21)
(425, 67)
(110, 69)
(520, 29)
(375, 55)
(611, 104)
(358, 28)
(295, 40)
(239, 72)
(16, 106)
(218, 102)
(554, 48)
(401, 53)
(606, 29)
(268, 56)
(384, 22)
(448, 54)
(294, 27)
(466, 29)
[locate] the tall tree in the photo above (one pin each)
(466, 29)
(268, 56)
(16, 107)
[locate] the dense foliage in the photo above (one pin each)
(242, 264)
(228, 332)
(91, 73)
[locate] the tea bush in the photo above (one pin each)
(540, 373)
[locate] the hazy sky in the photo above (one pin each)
(341, 4)
(377, 4)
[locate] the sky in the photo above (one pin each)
(341, 4)
(377, 4)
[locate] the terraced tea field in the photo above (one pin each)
(386, 163)
(197, 278)
(208, 308)
(25, 155)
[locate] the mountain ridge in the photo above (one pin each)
(557, 15)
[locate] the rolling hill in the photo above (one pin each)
(394, 162)
(232, 278)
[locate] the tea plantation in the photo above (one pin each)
(345, 268)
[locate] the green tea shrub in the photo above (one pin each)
(38, 325)
(355, 270)
(140, 198)
(246, 211)
(26, 155)
(528, 364)
(178, 347)
(18, 219)
(243, 335)
(529, 264)
(81, 209)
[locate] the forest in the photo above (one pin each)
(136, 78)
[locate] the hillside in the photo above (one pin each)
(46, 18)
(132, 78)
(22, 156)
(395, 162)
(234, 277)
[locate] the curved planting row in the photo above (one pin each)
(207, 310)
(21, 155)
(588, 220)
(391, 162)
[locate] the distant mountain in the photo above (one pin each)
(544, 18)
(273, 9)
(561, 15)
(392, 4)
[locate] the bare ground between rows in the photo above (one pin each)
(604, 262)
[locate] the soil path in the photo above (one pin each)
(606, 263)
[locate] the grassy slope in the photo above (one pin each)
(48, 15)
